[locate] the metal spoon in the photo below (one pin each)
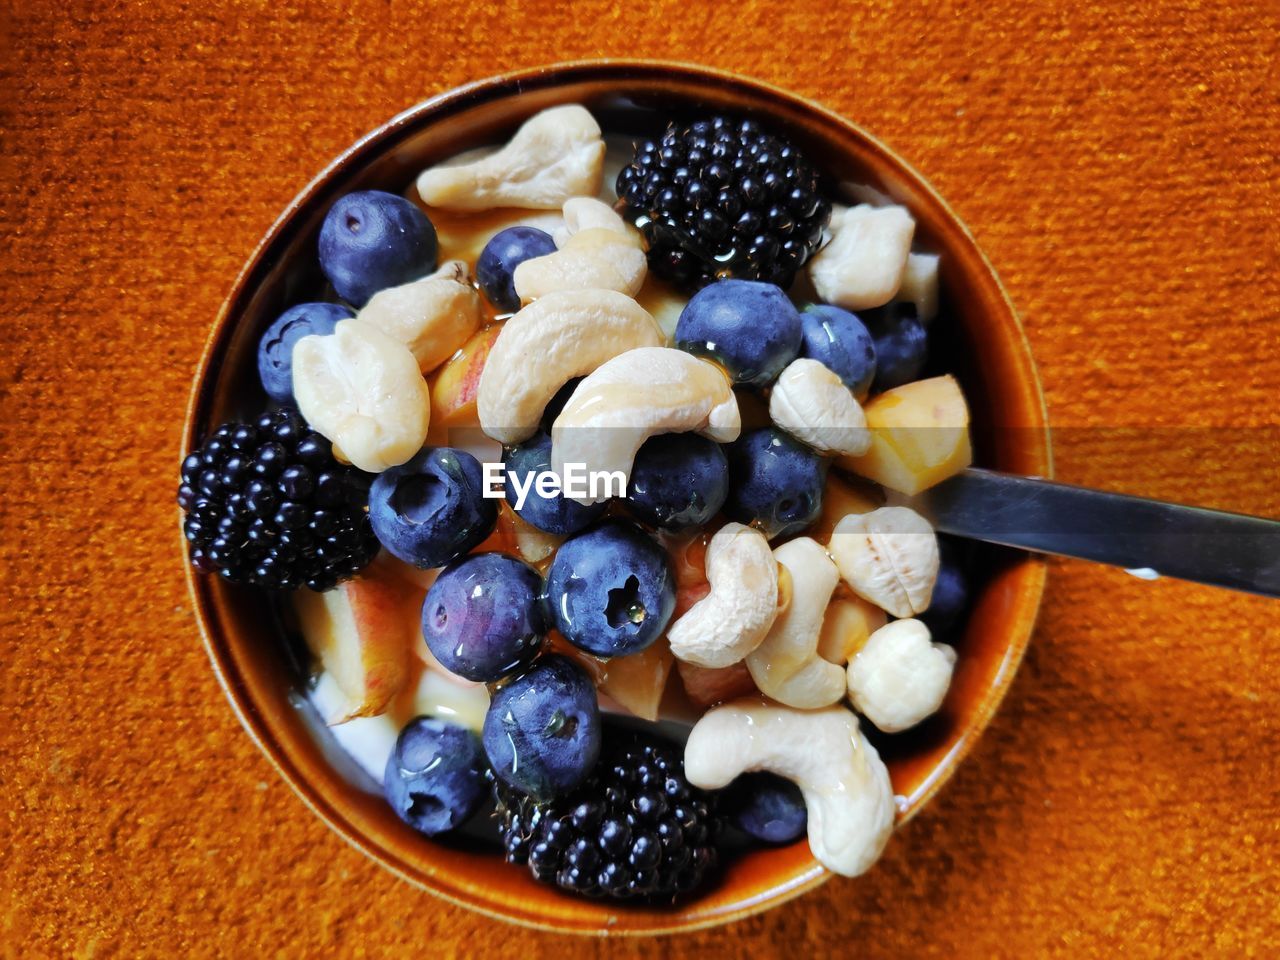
(1191, 543)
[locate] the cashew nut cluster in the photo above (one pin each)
(845, 785)
(732, 620)
(635, 395)
(560, 336)
(555, 155)
(786, 666)
(812, 404)
(362, 390)
(900, 676)
(888, 556)
(863, 264)
(433, 316)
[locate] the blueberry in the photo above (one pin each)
(750, 327)
(505, 251)
(275, 349)
(775, 482)
(839, 340)
(679, 481)
(950, 591)
(557, 403)
(542, 731)
(555, 514)
(766, 807)
(431, 510)
(435, 777)
(611, 589)
(483, 618)
(371, 240)
(901, 345)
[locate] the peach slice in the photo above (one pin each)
(707, 686)
(848, 623)
(919, 436)
(689, 563)
(456, 382)
(363, 633)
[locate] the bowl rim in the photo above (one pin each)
(213, 356)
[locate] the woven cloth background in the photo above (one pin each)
(1117, 161)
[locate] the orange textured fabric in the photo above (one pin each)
(1117, 161)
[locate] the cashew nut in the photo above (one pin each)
(845, 785)
(633, 396)
(888, 556)
(563, 335)
(900, 677)
(433, 316)
(786, 665)
(588, 213)
(863, 264)
(732, 620)
(812, 404)
(920, 284)
(597, 258)
(597, 248)
(555, 155)
(363, 391)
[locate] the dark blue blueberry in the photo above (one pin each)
(505, 251)
(750, 327)
(542, 731)
(841, 342)
(950, 591)
(431, 510)
(901, 344)
(611, 589)
(775, 482)
(371, 240)
(557, 403)
(679, 481)
(482, 618)
(435, 777)
(275, 349)
(766, 807)
(555, 514)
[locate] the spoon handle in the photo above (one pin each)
(1191, 543)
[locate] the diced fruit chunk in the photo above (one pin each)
(919, 436)
(842, 497)
(637, 681)
(363, 633)
(456, 382)
(848, 622)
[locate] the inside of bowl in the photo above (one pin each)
(981, 344)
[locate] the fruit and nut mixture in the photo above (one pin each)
(692, 316)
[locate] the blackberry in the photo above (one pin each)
(266, 503)
(721, 198)
(636, 828)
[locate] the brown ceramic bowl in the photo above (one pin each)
(986, 350)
